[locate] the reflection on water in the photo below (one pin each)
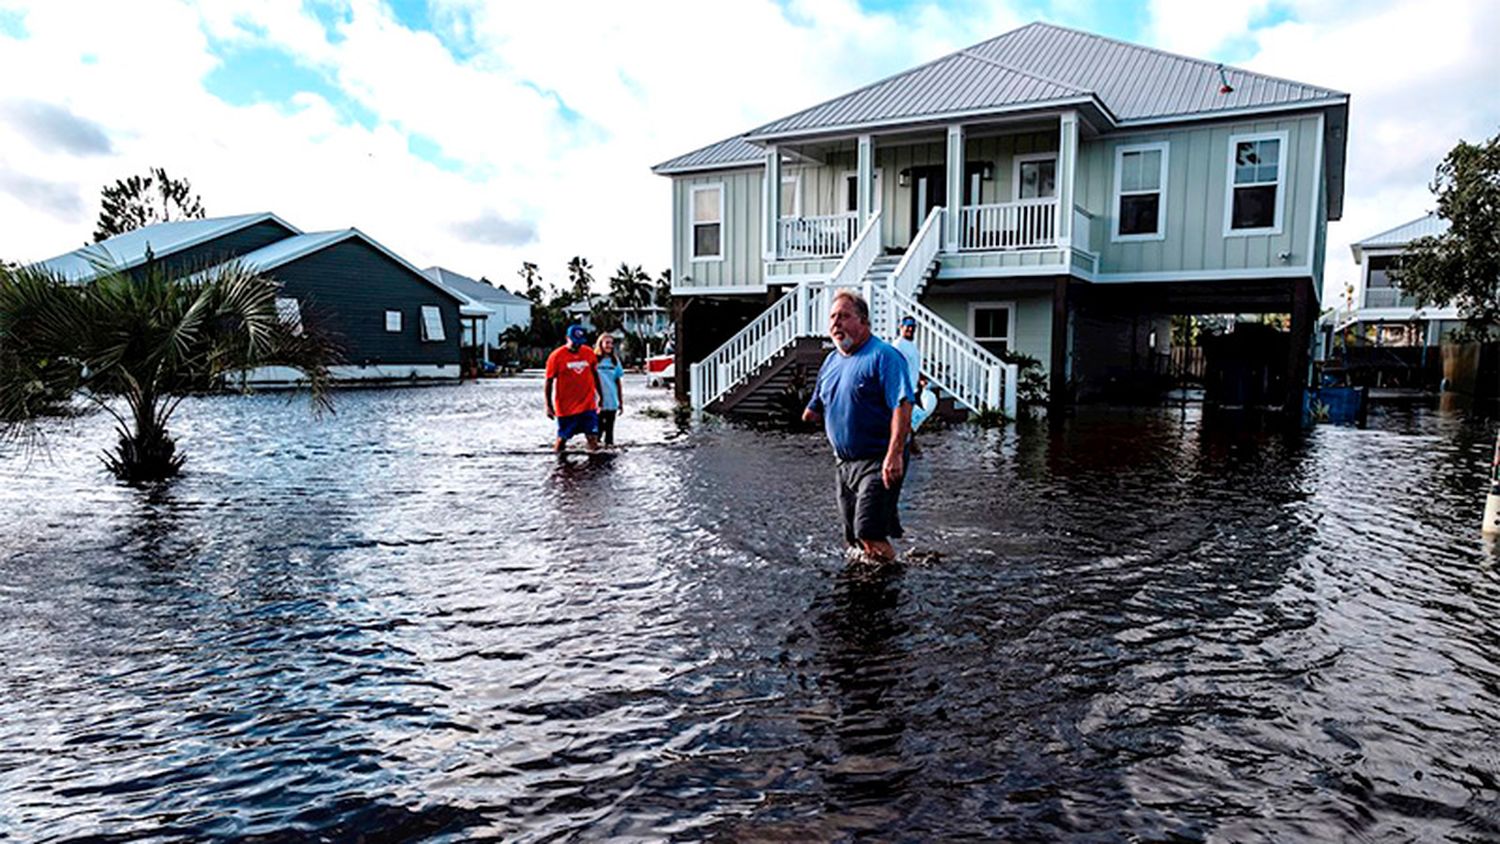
(409, 618)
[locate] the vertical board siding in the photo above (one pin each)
(346, 289)
(1198, 162)
(740, 232)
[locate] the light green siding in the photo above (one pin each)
(1033, 320)
(1000, 261)
(741, 265)
(795, 269)
(1197, 181)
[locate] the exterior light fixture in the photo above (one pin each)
(905, 179)
(987, 172)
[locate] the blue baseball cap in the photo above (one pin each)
(909, 320)
(577, 334)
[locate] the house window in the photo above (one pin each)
(432, 324)
(289, 311)
(1140, 191)
(992, 325)
(791, 196)
(708, 222)
(1036, 176)
(851, 192)
(1257, 173)
(393, 321)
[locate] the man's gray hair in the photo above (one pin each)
(861, 307)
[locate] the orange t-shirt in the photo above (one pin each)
(573, 392)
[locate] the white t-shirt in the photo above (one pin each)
(913, 355)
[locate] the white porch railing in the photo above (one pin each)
(1388, 297)
(1009, 225)
(954, 361)
(800, 313)
(828, 236)
(1083, 236)
(907, 278)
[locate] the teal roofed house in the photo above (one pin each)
(1047, 192)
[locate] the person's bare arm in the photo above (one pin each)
(547, 391)
(895, 453)
(810, 415)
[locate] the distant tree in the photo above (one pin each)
(630, 287)
(1462, 265)
(663, 294)
(580, 278)
(531, 276)
(139, 201)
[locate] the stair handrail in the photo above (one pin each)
(920, 254)
(851, 269)
(770, 332)
(953, 360)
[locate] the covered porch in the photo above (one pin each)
(1003, 191)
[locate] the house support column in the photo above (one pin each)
(1067, 156)
(682, 367)
(864, 189)
(955, 188)
(1304, 307)
(1057, 390)
(771, 231)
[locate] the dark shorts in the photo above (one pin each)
(586, 422)
(869, 509)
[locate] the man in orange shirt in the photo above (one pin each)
(573, 376)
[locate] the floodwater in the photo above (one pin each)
(407, 622)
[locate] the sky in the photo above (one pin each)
(478, 135)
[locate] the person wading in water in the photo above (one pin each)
(573, 374)
(864, 397)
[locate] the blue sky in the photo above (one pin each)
(478, 135)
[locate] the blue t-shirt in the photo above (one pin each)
(856, 395)
(610, 373)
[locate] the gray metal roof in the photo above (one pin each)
(1428, 225)
(730, 152)
(1038, 65)
(479, 291)
(127, 250)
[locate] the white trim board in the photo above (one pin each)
(717, 291)
(1283, 156)
(693, 191)
(1164, 147)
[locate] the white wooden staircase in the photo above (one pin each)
(755, 356)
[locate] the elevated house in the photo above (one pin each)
(650, 321)
(1379, 313)
(489, 311)
(1047, 192)
(390, 321)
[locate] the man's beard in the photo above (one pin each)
(846, 344)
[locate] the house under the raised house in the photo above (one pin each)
(389, 321)
(1048, 192)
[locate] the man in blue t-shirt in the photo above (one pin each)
(864, 398)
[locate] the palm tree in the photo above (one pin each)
(136, 346)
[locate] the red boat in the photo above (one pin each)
(660, 370)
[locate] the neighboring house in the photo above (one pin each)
(496, 308)
(390, 321)
(1048, 192)
(1379, 313)
(651, 321)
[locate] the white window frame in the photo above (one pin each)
(1161, 189)
(289, 310)
(844, 178)
(1283, 155)
(429, 314)
(692, 240)
(795, 180)
(393, 326)
(1010, 322)
(1015, 176)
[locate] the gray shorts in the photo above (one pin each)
(868, 507)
